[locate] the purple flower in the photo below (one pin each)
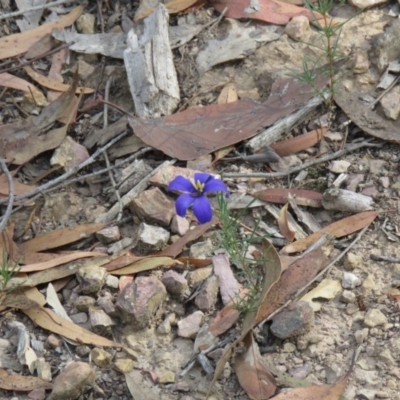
(195, 195)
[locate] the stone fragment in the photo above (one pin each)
(361, 62)
(298, 28)
(124, 365)
(151, 238)
(69, 154)
(377, 167)
(353, 180)
(199, 275)
(175, 283)
(108, 235)
(347, 297)
(112, 281)
(384, 181)
(86, 23)
(390, 103)
(82, 351)
(288, 348)
(53, 341)
(167, 377)
(301, 371)
(334, 136)
(140, 299)
(154, 207)
(385, 356)
(366, 3)
(120, 245)
(73, 381)
(165, 327)
(82, 303)
(91, 278)
(368, 282)
(79, 318)
(101, 358)
(43, 369)
(339, 166)
(204, 339)
(165, 175)
(352, 261)
(179, 225)
(84, 69)
(367, 394)
(208, 294)
(190, 326)
(349, 280)
(100, 321)
(361, 335)
(295, 320)
(201, 250)
(375, 317)
(106, 302)
(35, 394)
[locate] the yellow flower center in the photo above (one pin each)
(198, 186)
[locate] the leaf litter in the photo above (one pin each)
(101, 262)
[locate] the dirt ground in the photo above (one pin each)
(324, 353)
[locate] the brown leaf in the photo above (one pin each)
(254, 377)
(173, 7)
(298, 274)
(13, 82)
(23, 140)
(49, 320)
(19, 301)
(53, 84)
(176, 248)
(22, 383)
(228, 94)
(61, 237)
(59, 260)
(272, 11)
(19, 188)
(281, 196)
(13, 45)
(145, 264)
(340, 228)
(283, 224)
(298, 143)
(199, 131)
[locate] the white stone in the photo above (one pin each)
(201, 250)
(350, 281)
(375, 317)
(390, 103)
(298, 28)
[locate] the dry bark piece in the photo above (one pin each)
(346, 201)
(152, 77)
(22, 383)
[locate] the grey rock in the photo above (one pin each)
(201, 250)
(208, 294)
(175, 283)
(190, 326)
(91, 278)
(151, 238)
(349, 280)
(375, 317)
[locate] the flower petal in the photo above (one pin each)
(182, 184)
(215, 185)
(202, 209)
(182, 203)
(203, 177)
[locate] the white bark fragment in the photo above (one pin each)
(150, 68)
(346, 201)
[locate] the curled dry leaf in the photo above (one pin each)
(341, 228)
(254, 377)
(283, 224)
(13, 45)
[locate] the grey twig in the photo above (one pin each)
(35, 8)
(328, 157)
(61, 178)
(385, 258)
(7, 214)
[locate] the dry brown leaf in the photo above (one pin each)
(19, 301)
(283, 224)
(47, 319)
(34, 295)
(341, 228)
(272, 11)
(298, 143)
(228, 94)
(13, 45)
(53, 84)
(173, 7)
(19, 188)
(61, 237)
(198, 131)
(7, 244)
(59, 260)
(13, 82)
(145, 264)
(22, 383)
(23, 140)
(281, 196)
(253, 376)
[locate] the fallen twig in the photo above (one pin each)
(328, 157)
(7, 214)
(375, 257)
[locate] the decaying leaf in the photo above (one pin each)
(145, 264)
(19, 301)
(281, 196)
(173, 7)
(341, 228)
(202, 130)
(19, 188)
(254, 377)
(22, 383)
(52, 84)
(48, 319)
(13, 45)
(272, 11)
(61, 237)
(283, 224)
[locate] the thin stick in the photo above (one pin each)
(325, 270)
(7, 214)
(328, 157)
(69, 173)
(385, 258)
(35, 8)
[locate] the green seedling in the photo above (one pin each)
(7, 272)
(237, 245)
